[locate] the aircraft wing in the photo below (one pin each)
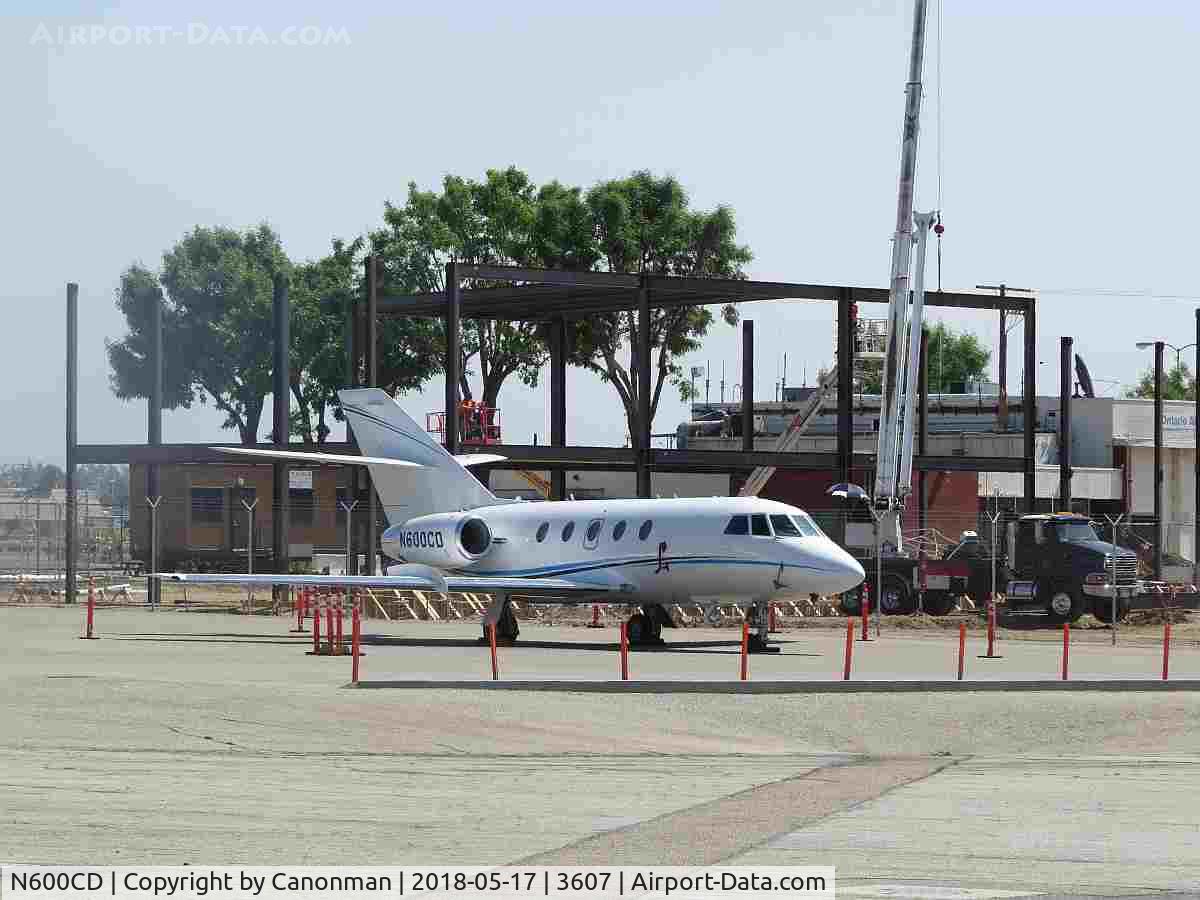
(549, 588)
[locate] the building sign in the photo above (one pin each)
(300, 479)
(1133, 423)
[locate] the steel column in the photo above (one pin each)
(642, 440)
(1029, 405)
(1159, 531)
(1196, 479)
(154, 428)
(923, 433)
(747, 385)
(1066, 354)
(72, 547)
(374, 276)
(280, 388)
(558, 401)
(353, 349)
(453, 326)
(1002, 367)
(845, 386)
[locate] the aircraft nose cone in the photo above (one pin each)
(846, 572)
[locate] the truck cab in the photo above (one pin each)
(1059, 563)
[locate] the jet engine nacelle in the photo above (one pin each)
(444, 540)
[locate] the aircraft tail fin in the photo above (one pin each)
(383, 429)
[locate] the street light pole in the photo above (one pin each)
(1158, 473)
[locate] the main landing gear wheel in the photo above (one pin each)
(643, 630)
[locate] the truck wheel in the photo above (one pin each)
(1065, 603)
(1102, 609)
(939, 603)
(896, 599)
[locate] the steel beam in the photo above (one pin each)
(642, 441)
(452, 321)
(923, 433)
(747, 385)
(1066, 358)
(1159, 530)
(1196, 475)
(154, 405)
(374, 276)
(1029, 407)
(72, 541)
(281, 387)
(558, 401)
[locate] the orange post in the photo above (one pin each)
(1066, 648)
(849, 648)
(745, 670)
(317, 630)
(329, 626)
(624, 650)
(772, 621)
(1166, 649)
(341, 615)
(866, 613)
(90, 634)
(595, 623)
(991, 619)
(495, 661)
(355, 636)
(962, 647)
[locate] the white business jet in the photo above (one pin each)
(453, 534)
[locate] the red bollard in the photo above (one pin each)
(341, 616)
(866, 613)
(90, 634)
(624, 651)
(849, 648)
(316, 650)
(495, 661)
(962, 647)
(301, 594)
(1066, 648)
(773, 620)
(355, 637)
(1166, 649)
(745, 670)
(329, 626)
(595, 623)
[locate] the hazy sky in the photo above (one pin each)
(1069, 137)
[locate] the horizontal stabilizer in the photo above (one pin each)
(322, 458)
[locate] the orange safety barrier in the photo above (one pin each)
(355, 637)
(773, 620)
(595, 623)
(316, 650)
(866, 613)
(1166, 649)
(624, 651)
(495, 660)
(962, 647)
(1066, 648)
(329, 627)
(849, 648)
(745, 669)
(90, 632)
(341, 615)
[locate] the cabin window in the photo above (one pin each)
(618, 531)
(784, 526)
(542, 531)
(593, 531)
(738, 525)
(759, 526)
(808, 528)
(568, 530)
(644, 531)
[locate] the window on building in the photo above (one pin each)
(568, 530)
(303, 507)
(208, 506)
(618, 531)
(784, 526)
(738, 525)
(644, 531)
(542, 531)
(759, 526)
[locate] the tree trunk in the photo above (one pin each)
(249, 429)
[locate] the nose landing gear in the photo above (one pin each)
(759, 617)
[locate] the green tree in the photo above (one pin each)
(502, 220)
(321, 293)
(216, 286)
(1178, 384)
(643, 224)
(953, 358)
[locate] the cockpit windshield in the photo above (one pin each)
(784, 526)
(808, 528)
